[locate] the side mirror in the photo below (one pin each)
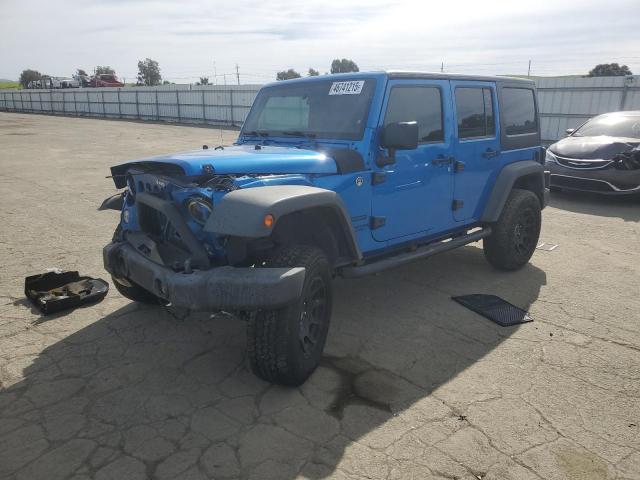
(397, 136)
(400, 136)
(569, 131)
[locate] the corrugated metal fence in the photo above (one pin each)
(569, 102)
(564, 102)
(227, 105)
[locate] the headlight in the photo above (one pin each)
(200, 209)
(549, 157)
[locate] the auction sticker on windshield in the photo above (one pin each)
(353, 87)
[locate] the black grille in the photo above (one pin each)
(152, 221)
(582, 164)
(157, 225)
(580, 184)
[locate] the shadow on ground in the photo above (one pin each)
(139, 394)
(625, 207)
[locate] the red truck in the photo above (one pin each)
(105, 80)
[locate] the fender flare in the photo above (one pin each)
(503, 185)
(241, 212)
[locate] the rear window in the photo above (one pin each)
(417, 104)
(474, 109)
(518, 111)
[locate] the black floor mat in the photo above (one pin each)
(495, 309)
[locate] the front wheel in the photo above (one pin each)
(285, 345)
(515, 235)
(135, 292)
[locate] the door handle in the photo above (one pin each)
(490, 153)
(441, 160)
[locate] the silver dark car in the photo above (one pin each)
(602, 156)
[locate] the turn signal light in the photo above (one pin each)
(269, 220)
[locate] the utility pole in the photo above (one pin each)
(529, 69)
(215, 73)
(442, 68)
(238, 74)
(224, 75)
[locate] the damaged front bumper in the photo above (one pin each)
(219, 288)
(608, 181)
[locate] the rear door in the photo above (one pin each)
(477, 145)
(412, 196)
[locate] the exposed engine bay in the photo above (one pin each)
(164, 214)
(628, 160)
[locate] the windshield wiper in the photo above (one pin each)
(299, 133)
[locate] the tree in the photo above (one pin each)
(287, 74)
(344, 66)
(609, 70)
(29, 75)
(149, 73)
(203, 81)
(105, 70)
(81, 73)
(313, 72)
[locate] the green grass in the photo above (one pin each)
(5, 85)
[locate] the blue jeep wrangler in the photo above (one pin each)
(332, 176)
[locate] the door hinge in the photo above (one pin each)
(458, 166)
(378, 177)
(457, 204)
(377, 222)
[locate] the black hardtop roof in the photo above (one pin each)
(456, 76)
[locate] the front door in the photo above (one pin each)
(477, 145)
(412, 197)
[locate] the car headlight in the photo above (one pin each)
(549, 157)
(200, 209)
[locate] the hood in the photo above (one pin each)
(593, 148)
(238, 159)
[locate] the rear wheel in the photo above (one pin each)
(515, 235)
(285, 345)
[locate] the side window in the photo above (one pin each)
(417, 104)
(518, 111)
(474, 109)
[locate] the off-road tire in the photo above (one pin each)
(514, 236)
(135, 292)
(278, 350)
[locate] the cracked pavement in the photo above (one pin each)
(412, 385)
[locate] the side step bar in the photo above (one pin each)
(407, 257)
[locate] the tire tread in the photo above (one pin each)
(268, 331)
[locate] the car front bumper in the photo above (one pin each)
(608, 181)
(214, 289)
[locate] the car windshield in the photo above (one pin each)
(611, 125)
(324, 109)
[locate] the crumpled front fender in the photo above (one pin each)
(114, 202)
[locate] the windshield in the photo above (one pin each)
(324, 109)
(611, 125)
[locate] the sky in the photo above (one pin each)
(193, 38)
